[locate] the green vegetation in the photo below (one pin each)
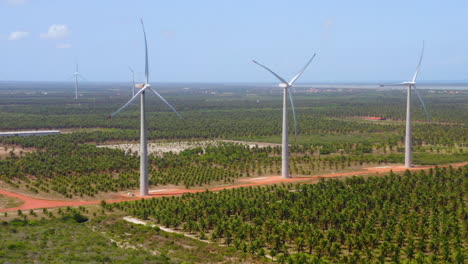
(236, 113)
(69, 169)
(431, 158)
(331, 137)
(414, 218)
(68, 236)
(177, 247)
(64, 240)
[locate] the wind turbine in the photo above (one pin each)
(411, 84)
(286, 91)
(133, 80)
(77, 75)
(144, 182)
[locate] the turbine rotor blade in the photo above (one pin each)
(294, 113)
(419, 64)
(301, 71)
(422, 103)
(276, 75)
(165, 101)
(79, 75)
(133, 80)
(129, 102)
(146, 54)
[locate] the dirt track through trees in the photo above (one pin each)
(35, 203)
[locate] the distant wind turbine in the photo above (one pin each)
(144, 182)
(286, 91)
(411, 84)
(77, 75)
(133, 80)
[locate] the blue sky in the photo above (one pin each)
(215, 40)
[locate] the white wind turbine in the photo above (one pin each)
(133, 80)
(77, 75)
(411, 84)
(144, 182)
(286, 91)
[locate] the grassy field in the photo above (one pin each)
(177, 247)
(323, 138)
(104, 239)
(434, 159)
(64, 241)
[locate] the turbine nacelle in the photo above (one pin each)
(141, 85)
(285, 85)
(412, 84)
(409, 83)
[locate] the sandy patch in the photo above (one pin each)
(165, 229)
(160, 148)
(17, 150)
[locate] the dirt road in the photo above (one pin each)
(34, 203)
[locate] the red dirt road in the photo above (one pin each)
(34, 203)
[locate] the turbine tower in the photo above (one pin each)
(408, 133)
(286, 91)
(77, 75)
(133, 80)
(144, 182)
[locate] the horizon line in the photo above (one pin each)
(261, 83)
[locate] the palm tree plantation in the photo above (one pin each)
(211, 199)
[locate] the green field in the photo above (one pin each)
(105, 239)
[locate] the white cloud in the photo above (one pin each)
(64, 45)
(17, 35)
(329, 23)
(56, 31)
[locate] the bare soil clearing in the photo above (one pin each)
(9, 202)
(34, 203)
